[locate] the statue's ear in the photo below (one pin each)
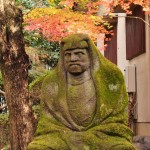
(86, 39)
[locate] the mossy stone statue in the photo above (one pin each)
(84, 102)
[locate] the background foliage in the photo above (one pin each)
(30, 4)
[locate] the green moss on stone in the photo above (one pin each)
(108, 129)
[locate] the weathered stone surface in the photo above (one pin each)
(138, 139)
(84, 102)
(147, 139)
(142, 142)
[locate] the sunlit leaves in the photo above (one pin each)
(125, 5)
(54, 24)
(40, 12)
(80, 5)
(54, 3)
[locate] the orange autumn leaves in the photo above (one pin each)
(54, 24)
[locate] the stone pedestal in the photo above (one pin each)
(142, 142)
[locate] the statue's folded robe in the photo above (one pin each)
(107, 131)
(110, 136)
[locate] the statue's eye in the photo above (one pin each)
(80, 53)
(67, 54)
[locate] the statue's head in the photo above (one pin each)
(75, 54)
(78, 54)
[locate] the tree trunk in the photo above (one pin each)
(14, 64)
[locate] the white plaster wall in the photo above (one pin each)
(142, 76)
(142, 63)
(142, 129)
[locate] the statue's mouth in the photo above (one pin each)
(76, 64)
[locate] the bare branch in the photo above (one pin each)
(2, 5)
(2, 92)
(134, 17)
(113, 15)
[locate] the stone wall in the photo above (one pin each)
(142, 142)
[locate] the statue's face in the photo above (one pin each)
(76, 61)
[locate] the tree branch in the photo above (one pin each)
(132, 17)
(2, 92)
(2, 5)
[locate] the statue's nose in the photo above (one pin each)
(74, 57)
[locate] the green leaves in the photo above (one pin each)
(48, 51)
(29, 4)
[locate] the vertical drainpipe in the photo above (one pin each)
(147, 30)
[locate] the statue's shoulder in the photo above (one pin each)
(50, 77)
(111, 71)
(50, 83)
